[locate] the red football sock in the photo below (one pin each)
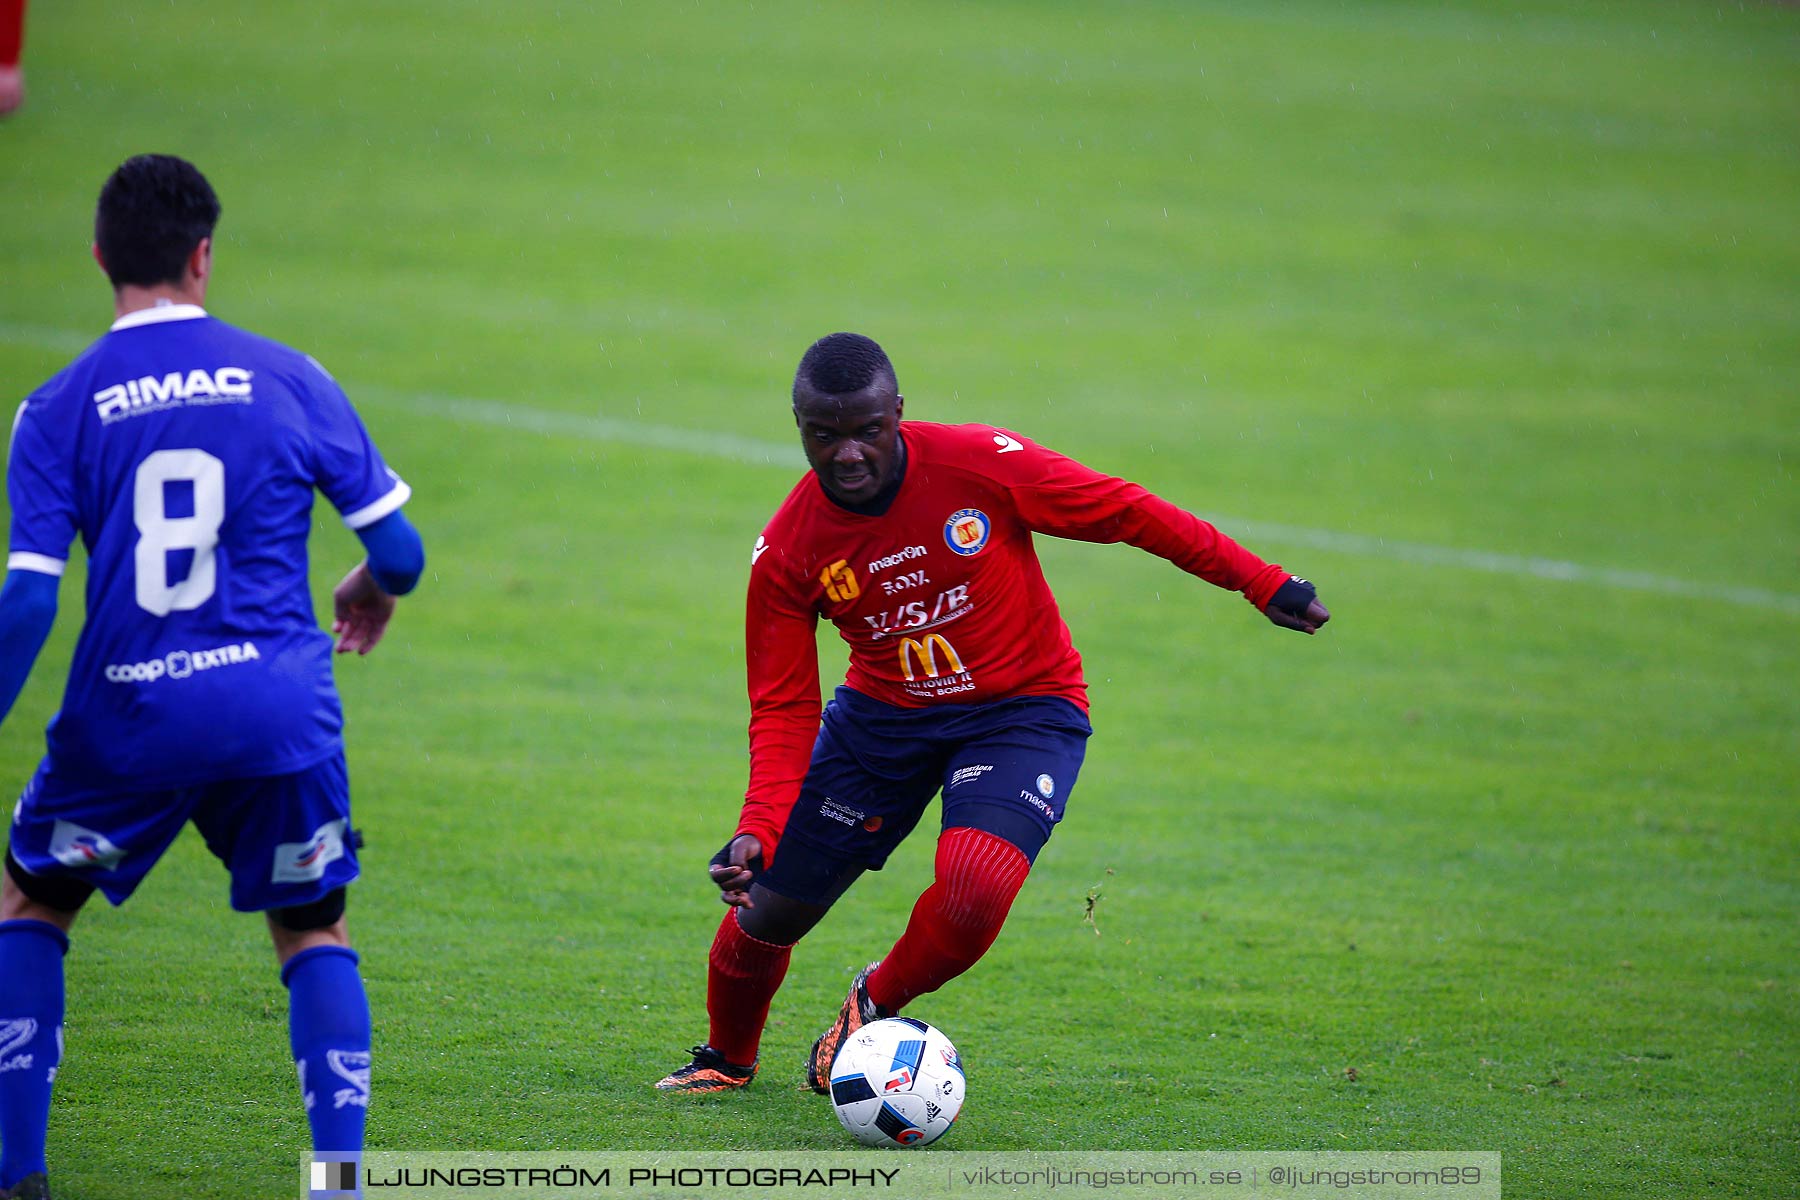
(957, 918)
(742, 975)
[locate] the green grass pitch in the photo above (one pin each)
(1417, 294)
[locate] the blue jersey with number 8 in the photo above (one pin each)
(185, 453)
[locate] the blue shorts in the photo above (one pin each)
(285, 838)
(1006, 767)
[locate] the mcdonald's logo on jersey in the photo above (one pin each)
(923, 652)
(840, 581)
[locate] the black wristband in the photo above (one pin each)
(1294, 597)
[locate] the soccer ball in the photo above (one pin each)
(897, 1082)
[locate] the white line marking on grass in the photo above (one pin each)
(755, 452)
(48, 337)
(1511, 564)
(595, 428)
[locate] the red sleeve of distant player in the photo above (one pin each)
(1055, 494)
(12, 31)
(781, 663)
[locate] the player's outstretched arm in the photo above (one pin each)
(27, 611)
(1295, 605)
(1055, 494)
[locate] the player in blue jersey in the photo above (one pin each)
(185, 454)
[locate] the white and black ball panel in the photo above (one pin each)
(897, 1082)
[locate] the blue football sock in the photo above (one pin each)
(31, 1017)
(328, 1028)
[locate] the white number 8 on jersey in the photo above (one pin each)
(160, 533)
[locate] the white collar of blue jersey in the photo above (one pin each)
(163, 311)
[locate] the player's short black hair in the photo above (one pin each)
(153, 211)
(840, 363)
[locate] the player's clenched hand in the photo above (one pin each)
(360, 611)
(1295, 605)
(735, 867)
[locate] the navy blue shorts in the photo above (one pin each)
(285, 838)
(1006, 767)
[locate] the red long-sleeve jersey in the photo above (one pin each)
(941, 598)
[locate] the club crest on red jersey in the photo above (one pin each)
(966, 532)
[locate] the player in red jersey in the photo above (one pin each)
(915, 541)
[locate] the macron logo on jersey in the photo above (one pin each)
(895, 559)
(152, 393)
